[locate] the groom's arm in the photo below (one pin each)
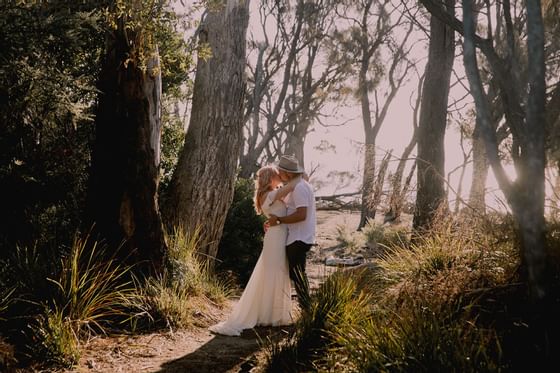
(299, 215)
(285, 190)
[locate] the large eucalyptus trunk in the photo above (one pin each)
(202, 186)
(433, 119)
(122, 195)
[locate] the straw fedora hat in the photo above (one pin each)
(289, 163)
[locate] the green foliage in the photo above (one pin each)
(189, 270)
(419, 339)
(48, 67)
(54, 305)
(51, 53)
(172, 140)
(91, 290)
(242, 238)
(55, 340)
(152, 27)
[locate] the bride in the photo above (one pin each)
(266, 299)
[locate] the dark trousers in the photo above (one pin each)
(296, 252)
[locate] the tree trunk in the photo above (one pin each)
(398, 193)
(477, 194)
(367, 211)
(202, 186)
(122, 195)
(248, 165)
(526, 194)
(380, 182)
(532, 180)
(433, 119)
(296, 140)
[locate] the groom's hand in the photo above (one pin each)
(272, 220)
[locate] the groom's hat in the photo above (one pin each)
(289, 163)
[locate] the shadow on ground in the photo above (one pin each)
(226, 354)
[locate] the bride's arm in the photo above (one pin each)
(286, 189)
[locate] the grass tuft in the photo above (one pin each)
(92, 290)
(346, 239)
(376, 235)
(337, 302)
(183, 294)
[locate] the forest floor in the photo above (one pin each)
(196, 349)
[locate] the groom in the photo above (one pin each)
(301, 220)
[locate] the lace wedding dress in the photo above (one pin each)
(266, 299)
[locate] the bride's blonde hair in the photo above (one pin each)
(263, 184)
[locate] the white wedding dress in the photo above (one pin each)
(266, 299)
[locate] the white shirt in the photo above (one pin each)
(301, 196)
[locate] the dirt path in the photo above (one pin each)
(198, 350)
(184, 351)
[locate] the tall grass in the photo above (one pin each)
(183, 294)
(419, 339)
(337, 302)
(419, 309)
(56, 305)
(91, 295)
(91, 288)
(190, 271)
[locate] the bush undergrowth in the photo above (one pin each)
(450, 301)
(182, 294)
(54, 307)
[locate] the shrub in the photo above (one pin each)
(190, 272)
(91, 290)
(376, 234)
(167, 304)
(345, 238)
(54, 339)
(242, 238)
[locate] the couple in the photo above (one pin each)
(291, 215)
